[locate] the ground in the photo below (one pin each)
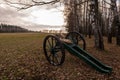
(22, 58)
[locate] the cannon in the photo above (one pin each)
(54, 49)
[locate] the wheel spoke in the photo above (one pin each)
(76, 39)
(53, 58)
(57, 59)
(72, 37)
(47, 48)
(49, 43)
(57, 49)
(52, 42)
(59, 55)
(49, 55)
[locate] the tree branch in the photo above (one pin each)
(82, 2)
(43, 2)
(26, 5)
(15, 2)
(108, 2)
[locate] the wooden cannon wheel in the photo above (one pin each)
(76, 38)
(53, 49)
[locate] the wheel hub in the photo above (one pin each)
(52, 51)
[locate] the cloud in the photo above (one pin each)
(9, 15)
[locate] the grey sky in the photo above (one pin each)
(31, 18)
(8, 15)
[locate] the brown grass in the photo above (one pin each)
(22, 58)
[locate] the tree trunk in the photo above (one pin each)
(113, 12)
(98, 37)
(109, 35)
(89, 30)
(96, 26)
(118, 37)
(110, 27)
(118, 34)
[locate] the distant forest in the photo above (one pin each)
(11, 28)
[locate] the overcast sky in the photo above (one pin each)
(29, 18)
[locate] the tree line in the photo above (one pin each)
(4, 28)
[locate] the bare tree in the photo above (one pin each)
(111, 18)
(95, 24)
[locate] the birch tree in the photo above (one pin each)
(95, 25)
(111, 19)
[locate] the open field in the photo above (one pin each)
(22, 58)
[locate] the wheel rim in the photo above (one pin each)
(53, 50)
(76, 38)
